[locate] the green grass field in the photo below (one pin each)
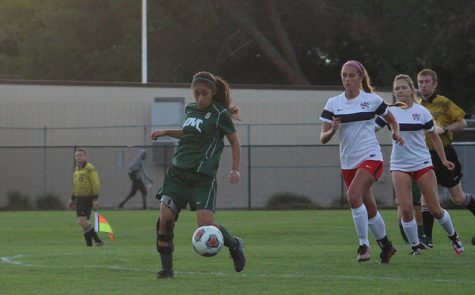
(288, 252)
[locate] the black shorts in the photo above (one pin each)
(84, 206)
(186, 187)
(445, 177)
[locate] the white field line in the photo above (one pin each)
(15, 260)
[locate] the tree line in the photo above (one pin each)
(300, 42)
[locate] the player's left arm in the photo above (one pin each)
(95, 183)
(439, 148)
(457, 119)
(379, 124)
(149, 179)
(456, 126)
(233, 139)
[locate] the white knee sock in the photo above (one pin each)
(410, 228)
(446, 223)
(377, 226)
(360, 217)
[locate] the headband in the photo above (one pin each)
(357, 65)
(211, 79)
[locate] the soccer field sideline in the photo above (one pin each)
(314, 253)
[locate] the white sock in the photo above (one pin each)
(446, 223)
(410, 228)
(377, 226)
(360, 217)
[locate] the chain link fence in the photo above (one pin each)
(303, 167)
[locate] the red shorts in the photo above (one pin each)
(375, 168)
(418, 174)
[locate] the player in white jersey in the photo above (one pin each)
(353, 113)
(412, 162)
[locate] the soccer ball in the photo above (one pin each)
(207, 240)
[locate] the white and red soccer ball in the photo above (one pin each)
(207, 240)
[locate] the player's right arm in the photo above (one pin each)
(175, 133)
(329, 129)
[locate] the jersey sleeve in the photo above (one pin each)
(327, 113)
(94, 180)
(187, 110)
(380, 123)
(226, 124)
(428, 120)
(382, 109)
(456, 112)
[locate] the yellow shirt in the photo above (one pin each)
(445, 112)
(86, 181)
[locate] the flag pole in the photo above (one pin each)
(144, 42)
(96, 221)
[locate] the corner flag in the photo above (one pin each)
(101, 225)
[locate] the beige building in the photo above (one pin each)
(42, 122)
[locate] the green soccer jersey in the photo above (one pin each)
(202, 143)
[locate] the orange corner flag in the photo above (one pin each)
(101, 225)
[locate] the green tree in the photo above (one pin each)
(255, 42)
(69, 40)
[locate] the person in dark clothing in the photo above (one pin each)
(139, 179)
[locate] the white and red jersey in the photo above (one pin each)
(413, 123)
(357, 137)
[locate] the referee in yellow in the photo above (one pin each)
(85, 195)
(448, 118)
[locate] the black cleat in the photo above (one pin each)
(237, 254)
(427, 242)
(386, 253)
(417, 250)
(457, 244)
(100, 243)
(165, 274)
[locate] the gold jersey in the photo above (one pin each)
(445, 112)
(86, 181)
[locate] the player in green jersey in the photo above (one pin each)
(191, 178)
